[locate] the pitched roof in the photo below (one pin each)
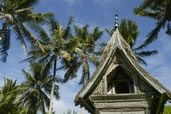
(117, 42)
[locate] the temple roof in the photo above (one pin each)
(117, 42)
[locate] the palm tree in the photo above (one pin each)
(86, 51)
(158, 10)
(129, 31)
(10, 94)
(15, 14)
(57, 45)
(38, 84)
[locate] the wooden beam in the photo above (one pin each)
(163, 100)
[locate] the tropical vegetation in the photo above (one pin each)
(10, 95)
(86, 51)
(58, 46)
(38, 83)
(167, 110)
(16, 16)
(159, 10)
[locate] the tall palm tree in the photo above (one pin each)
(86, 51)
(158, 10)
(15, 14)
(129, 30)
(57, 46)
(38, 84)
(10, 94)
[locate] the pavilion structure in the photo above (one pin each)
(120, 85)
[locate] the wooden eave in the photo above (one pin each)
(120, 97)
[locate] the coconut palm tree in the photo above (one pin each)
(158, 10)
(86, 51)
(15, 14)
(58, 46)
(129, 30)
(38, 83)
(10, 94)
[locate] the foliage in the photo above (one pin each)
(31, 96)
(86, 50)
(15, 15)
(129, 30)
(167, 110)
(158, 10)
(58, 46)
(10, 95)
(38, 85)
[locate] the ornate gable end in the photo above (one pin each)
(121, 77)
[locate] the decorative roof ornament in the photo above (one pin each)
(116, 20)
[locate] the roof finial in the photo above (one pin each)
(116, 20)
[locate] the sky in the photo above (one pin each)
(95, 13)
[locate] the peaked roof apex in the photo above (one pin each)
(117, 41)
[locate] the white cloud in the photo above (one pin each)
(71, 2)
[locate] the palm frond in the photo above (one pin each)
(46, 98)
(28, 3)
(144, 5)
(30, 37)
(40, 18)
(4, 44)
(110, 32)
(94, 60)
(67, 30)
(54, 25)
(20, 37)
(71, 68)
(23, 10)
(97, 33)
(155, 15)
(8, 16)
(146, 53)
(28, 76)
(153, 34)
(168, 29)
(141, 61)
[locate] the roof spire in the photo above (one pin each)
(116, 20)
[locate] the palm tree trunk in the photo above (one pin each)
(52, 89)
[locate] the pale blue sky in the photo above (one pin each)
(95, 13)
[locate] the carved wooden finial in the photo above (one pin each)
(116, 20)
